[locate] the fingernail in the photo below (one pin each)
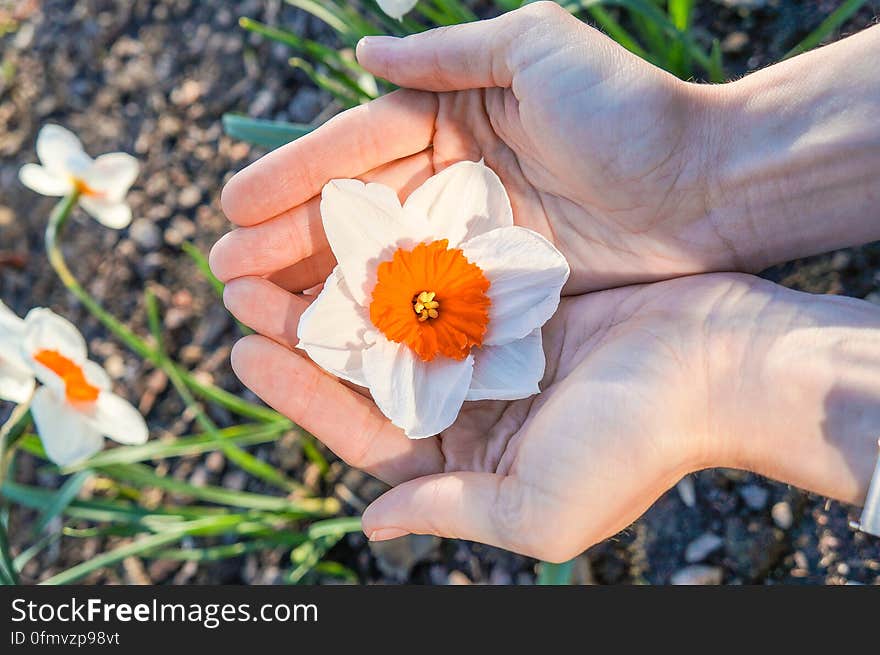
(383, 534)
(374, 42)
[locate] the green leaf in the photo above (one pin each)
(241, 435)
(343, 93)
(555, 574)
(62, 498)
(268, 134)
(332, 15)
(834, 20)
(226, 551)
(652, 13)
(8, 572)
(144, 476)
(334, 527)
(681, 12)
(138, 547)
(307, 556)
(336, 570)
(201, 263)
(716, 68)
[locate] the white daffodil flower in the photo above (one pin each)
(17, 380)
(65, 167)
(74, 408)
(435, 302)
(396, 8)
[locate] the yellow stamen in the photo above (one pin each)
(425, 306)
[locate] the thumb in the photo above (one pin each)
(485, 507)
(469, 56)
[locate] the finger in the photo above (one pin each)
(485, 507)
(475, 55)
(347, 423)
(265, 308)
(298, 233)
(392, 127)
(305, 274)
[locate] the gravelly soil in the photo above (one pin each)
(153, 78)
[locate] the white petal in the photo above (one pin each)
(332, 331)
(96, 375)
(45, 330)
(67, 437)
(396, 8)
(16, 378)
(109, 213)
(10, 323)
(508, 372)
(116, 418)
(61, 152)
(422, 398)
(42, 180)
(461, 202)
(526, 274)
(364, 224)
(112, 175)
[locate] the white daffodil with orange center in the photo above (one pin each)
(74, 408)
(65, 168)
(16, 377)
(433, 303)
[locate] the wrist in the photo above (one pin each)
(810, 415)
(793, 155)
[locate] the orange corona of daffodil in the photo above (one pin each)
(434, 302)
(74, 409)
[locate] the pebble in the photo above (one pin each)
(754, 496)
(782, 515)
(115, 366)
(146, 234)
(687, 491)
(697, 574)
(841, 260)
(235, 480)
(701, 547)
(190, 197)
(734, 42)
(306, 104)
(458, 578)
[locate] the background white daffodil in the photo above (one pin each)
(16, 377)
(74, 408)
(435, 302)
(396, 8)
(65, 167)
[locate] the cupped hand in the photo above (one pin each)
(634, 381)
(600, 152)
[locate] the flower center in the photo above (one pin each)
(83, 189)
(76, 387)
(406, 302)
(425, 306)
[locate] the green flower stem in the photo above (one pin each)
(8, 574)
(10, 432)
(210, 392)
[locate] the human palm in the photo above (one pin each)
(609, 433)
